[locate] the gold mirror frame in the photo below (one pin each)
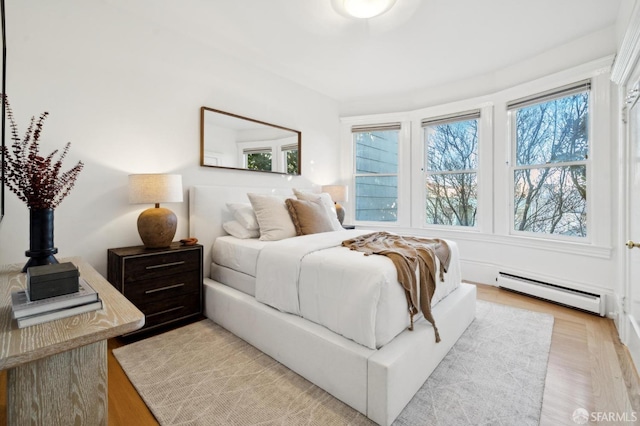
(229, 141)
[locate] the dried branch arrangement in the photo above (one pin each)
(35, 179)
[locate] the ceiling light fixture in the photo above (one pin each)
(365, 9)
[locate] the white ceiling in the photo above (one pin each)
(416, 45)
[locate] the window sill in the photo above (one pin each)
(475, 235)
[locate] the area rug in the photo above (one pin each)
(201, 374)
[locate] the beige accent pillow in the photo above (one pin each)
(273, 217)
(328, 204)
(309, 217)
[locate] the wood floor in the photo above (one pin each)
(586, 363)
(588, 368)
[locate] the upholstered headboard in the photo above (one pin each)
(208, 211)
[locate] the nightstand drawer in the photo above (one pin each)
(160, 265)
(162, 287)
(171, 309)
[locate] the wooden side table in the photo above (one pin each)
(57, 371)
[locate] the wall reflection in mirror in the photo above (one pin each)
(235, 142)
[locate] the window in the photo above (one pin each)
(551, 151)
(376, 172)
(450, 172)
(258, 159)
(290, 158)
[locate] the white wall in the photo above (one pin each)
(575, 53)
(220, 143)
(127, 95)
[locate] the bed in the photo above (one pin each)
(365, 357)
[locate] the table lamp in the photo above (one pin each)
(156, 225)
(338, 193)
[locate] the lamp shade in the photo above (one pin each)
(155, 188)
(338, 193)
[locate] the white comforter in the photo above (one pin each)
(354, 295)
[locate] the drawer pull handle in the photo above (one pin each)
(165, 311)
(169, 287)
(165, 265)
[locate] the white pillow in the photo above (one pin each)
(243, 213)
(273, 217)
(328, 203)
(233, 227)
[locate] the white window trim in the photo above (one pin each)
(245, 148)
(283, 151)
(484, 223)
(598, 165)
(513, 167)
(404, 177)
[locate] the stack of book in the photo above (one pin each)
(30, 312)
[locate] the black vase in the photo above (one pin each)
(41, 249)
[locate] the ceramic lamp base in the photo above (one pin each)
(157, 227)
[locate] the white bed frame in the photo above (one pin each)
(378, 383)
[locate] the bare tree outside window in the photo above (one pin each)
(550, 174)
(451, 151)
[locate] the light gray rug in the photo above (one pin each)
(493, 375)
(201, 374)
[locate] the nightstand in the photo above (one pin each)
(165, 284)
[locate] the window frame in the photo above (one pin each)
(284, 151)
(535, 99)
(259, 150)
(363, 128)
(485, 173)
(475, 114)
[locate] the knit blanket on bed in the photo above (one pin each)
(409, 254)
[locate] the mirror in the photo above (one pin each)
(234, 142)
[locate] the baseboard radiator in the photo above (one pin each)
(582, 300)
